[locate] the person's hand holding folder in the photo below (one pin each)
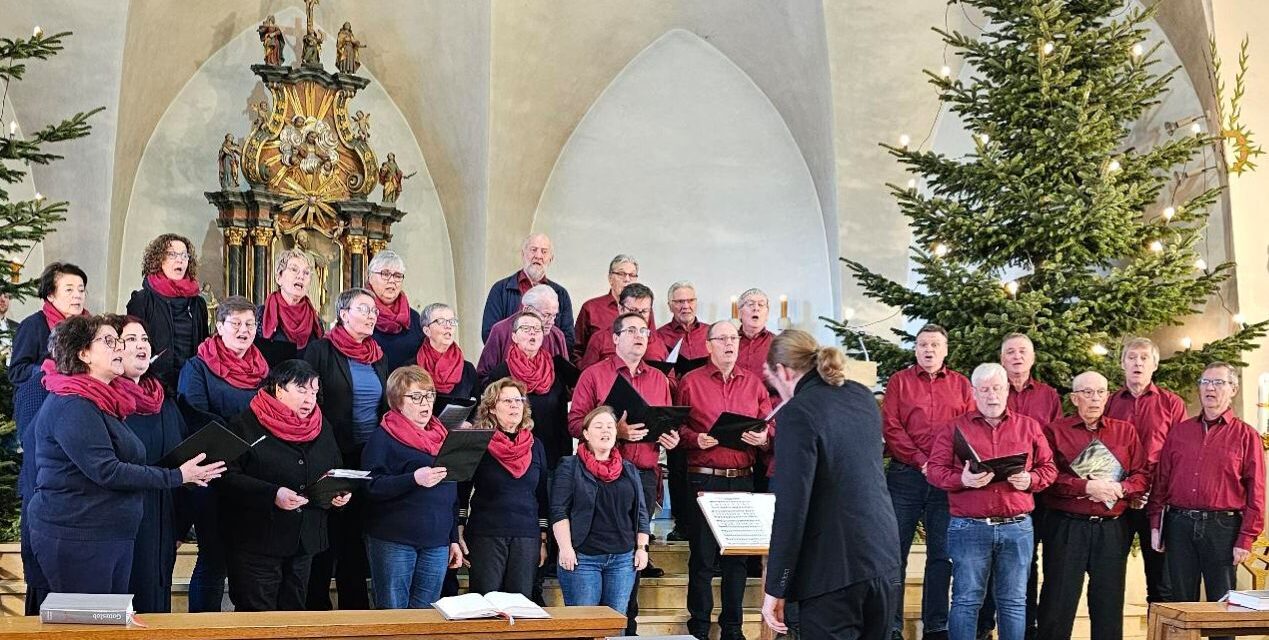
(630, 432)
(192, 472)
(429, 476)
(973, 480)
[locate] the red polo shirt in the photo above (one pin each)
(709, 396)
(1016, 433)
(753, 351)
(593, 387)
(915, 404)
(596, 316)
(1067, 438)
(1036, 400)
(1220, 468)
(601, 347)
(693, 338)
(1153, 413)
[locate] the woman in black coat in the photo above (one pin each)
(350, 366)
(169, 304)
(276, 532)
(288, 319)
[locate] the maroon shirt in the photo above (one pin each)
(693, 338)
(1036, 400)
(753, 351)
(709, 396)
(915, 404)
(1221, 468)
(601, 347)
(1016, 433)
(1067, 438)
(593, 387)
(596, 316)
(495, 349)
(1153, 414)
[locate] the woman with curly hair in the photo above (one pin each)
(169, 304)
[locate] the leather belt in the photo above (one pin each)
(998, 521)
(725, 473)
(1081, 516)
(1200, 514)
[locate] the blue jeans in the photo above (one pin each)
(404, 576)
(599, 580)
(980, 552)
(916, 500)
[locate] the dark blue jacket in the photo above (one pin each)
(502, 506)
(504, 301)
(573, 498)
(30, 348)
(90, 473)
(400, 510)
(400, 349)
(209, 393)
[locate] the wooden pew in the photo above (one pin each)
(1193, 620)
(572, 623)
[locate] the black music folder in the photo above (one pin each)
(333, 483)
(461, 453)
(566, 371)
(623, 398)
(220, 445)
(680, 366)
(453, 411)
(728, 428)
(1003, 466)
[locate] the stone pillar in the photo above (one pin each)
(262, 267)
(236, 266)
(356, 249)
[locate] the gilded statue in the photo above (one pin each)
(347, 47)
(271, 38)
(390, 177)
(361, 126)
(309, 145)
(229, 159)
(312, 55)
(260, 114)
(317, 287)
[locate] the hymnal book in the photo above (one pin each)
(1258, 600)
(333, 483)
(623, 398)
(453, 411)
(1098, 462)
(566, 371)
(87, 608)
(740, 521)
(494, 604)
(461, 453)
(675, 363)
(728, 428)
(219, 443)
(1002, 467)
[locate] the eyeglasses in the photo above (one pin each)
(1092, 393)
(625, 275)
(176, 255)
(390, 276)
(724, 339)
(420, 397)
(642, 312)
(637, 331)
(547, 318)
(445, 322)
(366, 310)
(685, 301)
(131, 340)
(529, 329)
(111, 342)
(303, 273)
(249, 325)
(755, 304)
(512, 402)
(1214, 382)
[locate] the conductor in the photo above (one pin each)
(844, 577)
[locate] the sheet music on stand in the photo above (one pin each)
(740, 521)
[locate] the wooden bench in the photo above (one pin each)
(573, 623)
(1193, 620)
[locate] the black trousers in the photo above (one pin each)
(649, 478)
(682, 502)
(704, 555)
(1074, 547)
(503, 564)
(987, 614)
(345, 559)
(861, 611)
(1200, 547)
(1137, 524)
(268, 583)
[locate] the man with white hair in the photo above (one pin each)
(990, 536)
(755, 340)
(684, 327)
(1083, 532)
(542, 300)
(1152, 411)
(504, 299)
(596, 315)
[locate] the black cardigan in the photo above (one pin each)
(157, 315)
(335, 395)
(250, 485)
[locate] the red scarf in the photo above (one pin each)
(107, 398)
(244, 373)
(186, 287)
(427, 440)
(605, 470)
(513, 455)
(298, 321)
(148, 394)
(395, 317)
(284, 423)
(366, 352)
(537, 373)
(54, 317)
(446, 368)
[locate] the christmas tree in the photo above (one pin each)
(1053, 226)
(23, 224)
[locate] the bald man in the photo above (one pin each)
(536, 254)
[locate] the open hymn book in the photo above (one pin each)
(740, 521)
(495, 604)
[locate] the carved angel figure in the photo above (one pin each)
(310, 145)
(361, 125)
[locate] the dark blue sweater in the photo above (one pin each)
(210, 393)
(90, 473)
(30, 348)
(400, 510)
(400, 349)
(505, 507)
(503, 302)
